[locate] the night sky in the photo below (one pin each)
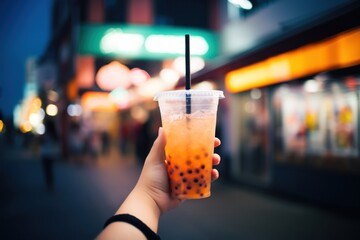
(24, 33)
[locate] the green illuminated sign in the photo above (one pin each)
(144, 42)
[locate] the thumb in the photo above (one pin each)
(157, 152)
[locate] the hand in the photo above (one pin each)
(154, 179)
(151, 196)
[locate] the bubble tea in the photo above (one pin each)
(189, 127)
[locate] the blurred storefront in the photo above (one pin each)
(111, 57)
(292, 115)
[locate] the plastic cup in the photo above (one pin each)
(189, 139)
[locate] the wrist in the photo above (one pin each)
(140, 204)
(135, 222)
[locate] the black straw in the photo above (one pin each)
(187, 73)
(187, 62)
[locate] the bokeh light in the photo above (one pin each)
(138, 76)
(74, 110)
(51, 110)
(2, 126)
(113, 75)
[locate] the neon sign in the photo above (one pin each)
(144, 42)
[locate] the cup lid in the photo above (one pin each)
(181, 94)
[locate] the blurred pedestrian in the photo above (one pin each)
(48, 152)
(105, 142)
(76, 143)
(95, 144)
(143, 141)
(125, 136)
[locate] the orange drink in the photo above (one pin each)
(189, 140)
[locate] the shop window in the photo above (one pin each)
(317, 125)
(254, 138)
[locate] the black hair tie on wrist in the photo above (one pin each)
(150, 234)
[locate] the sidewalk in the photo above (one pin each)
(86, 195)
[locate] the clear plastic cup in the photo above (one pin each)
(189, 121)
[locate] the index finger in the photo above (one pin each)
(217, 142)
